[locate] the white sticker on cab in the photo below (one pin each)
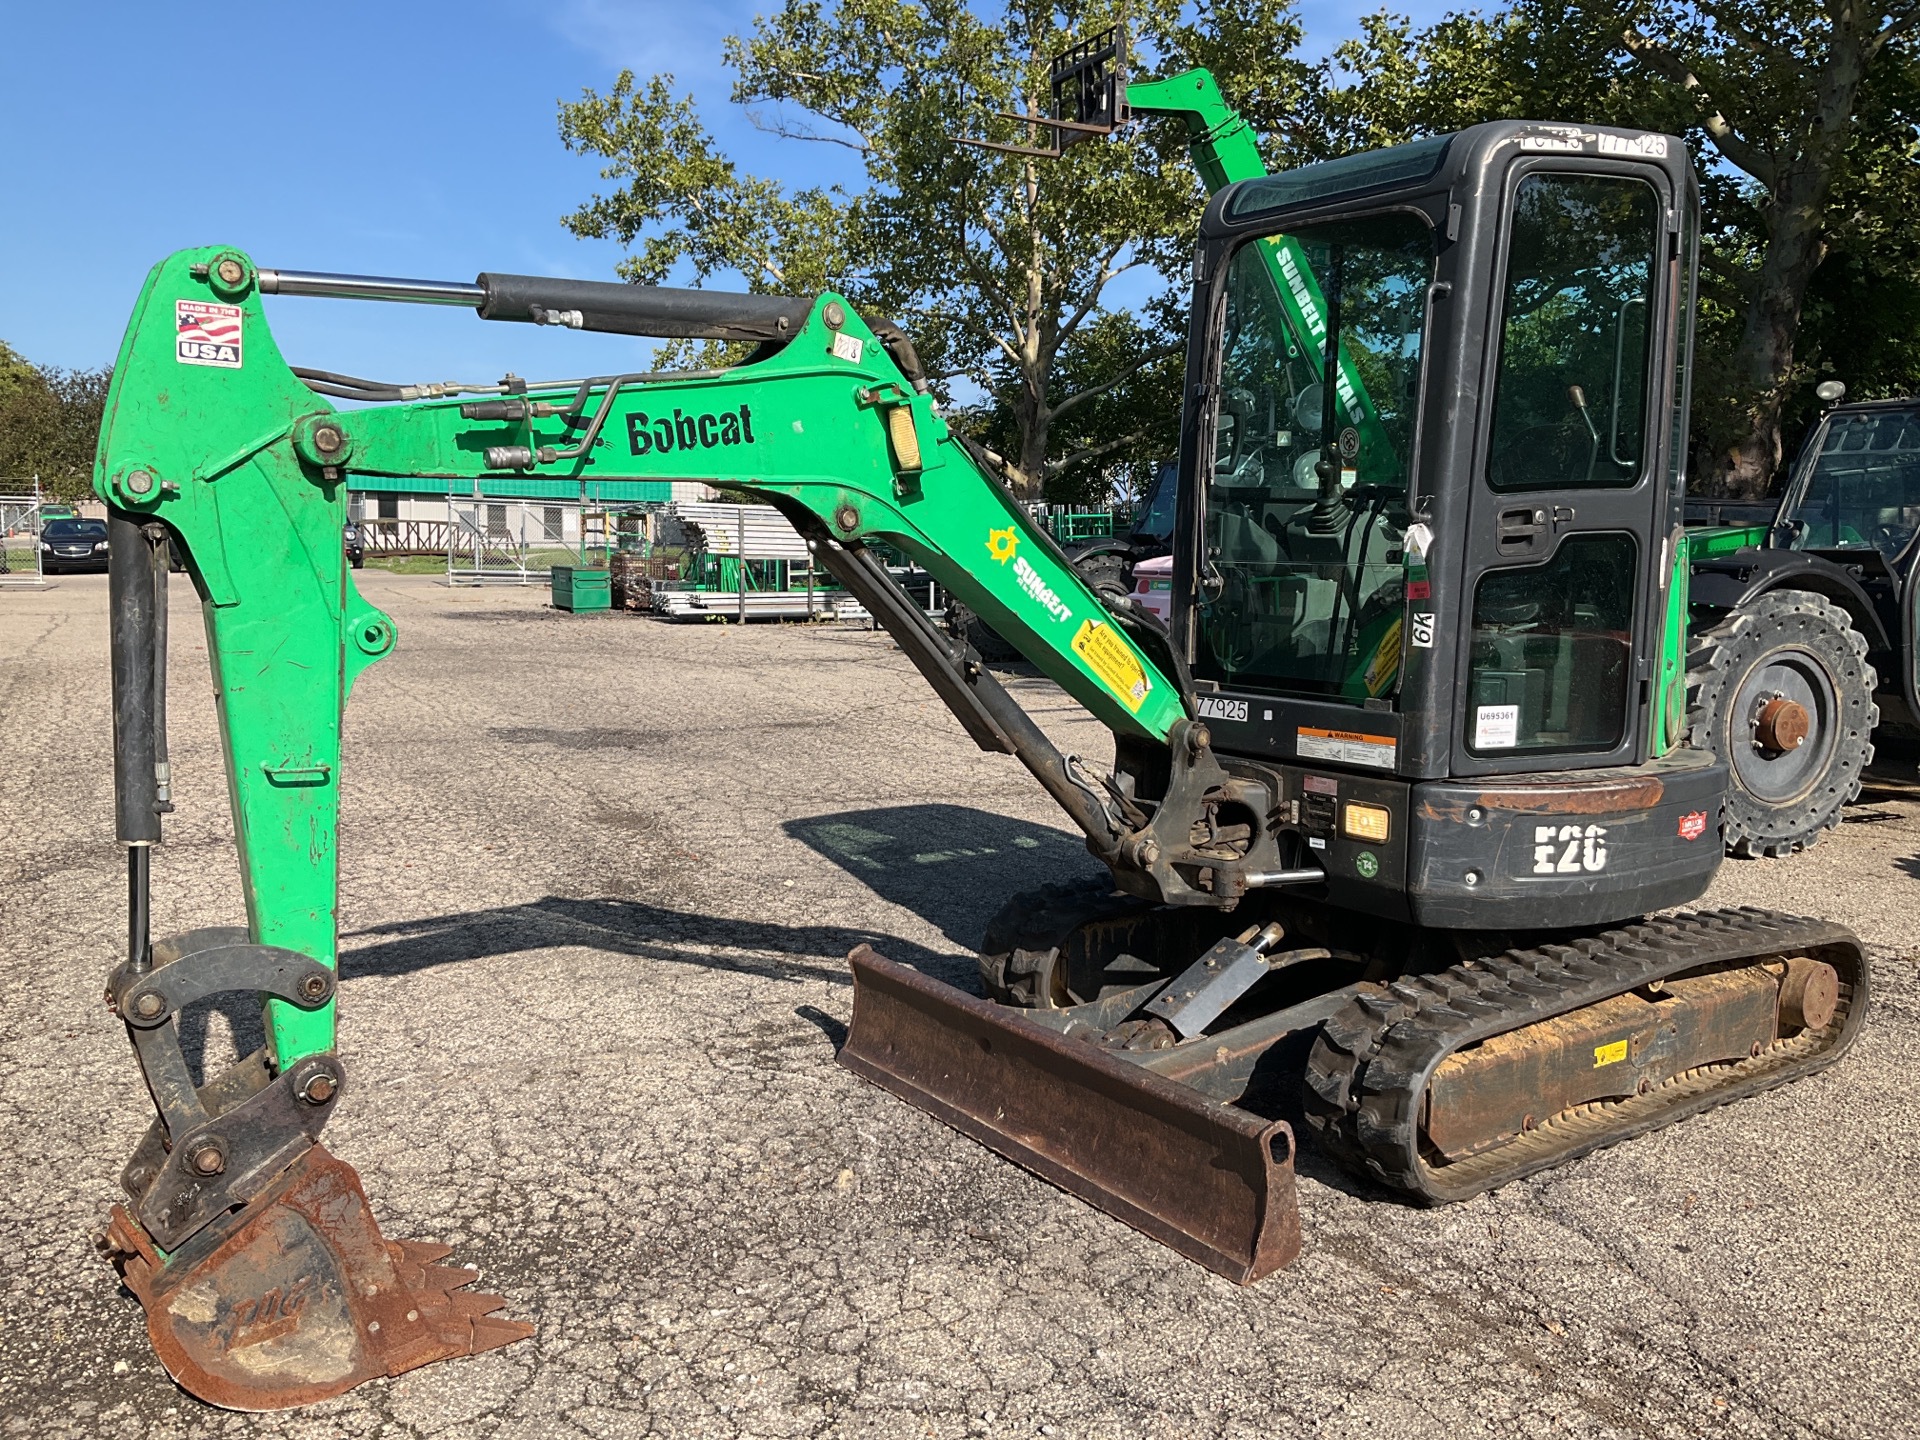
(1496, 727)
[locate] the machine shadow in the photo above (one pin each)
(952, 866)
(244, 1024)
(629, 927)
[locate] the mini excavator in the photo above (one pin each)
(1400, 780)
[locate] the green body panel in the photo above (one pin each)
(1668, 723)
(258, 517)
(286, 630)
(1224, 151)
(1706, 541)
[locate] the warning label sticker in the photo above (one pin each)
(207, 334)
(1116, 666)
(1349, 747)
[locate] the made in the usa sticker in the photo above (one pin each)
(207, 334)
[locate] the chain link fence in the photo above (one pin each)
(22, 516)
(518, 542)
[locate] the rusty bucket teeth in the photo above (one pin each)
(297, 1297)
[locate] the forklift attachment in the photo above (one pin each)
(1213, 1182)
(297, 1297)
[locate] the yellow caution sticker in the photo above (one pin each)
(1385, 664)
(1609, 1054)
(1108, 656)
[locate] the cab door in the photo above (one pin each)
(1569, 508)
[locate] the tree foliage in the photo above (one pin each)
(1801, 114)
(1043, 294)
(49, 425)
(1048, 297)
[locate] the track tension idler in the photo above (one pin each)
(265, 1280)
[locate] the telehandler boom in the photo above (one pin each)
(1401, 773)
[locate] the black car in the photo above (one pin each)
(353, 544)
(71, 546)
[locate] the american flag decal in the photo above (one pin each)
(207, 334)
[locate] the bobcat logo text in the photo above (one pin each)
(649, 435)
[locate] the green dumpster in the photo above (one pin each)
(579, 589)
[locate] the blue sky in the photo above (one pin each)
(391, 139)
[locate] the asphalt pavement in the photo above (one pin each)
(600, 875)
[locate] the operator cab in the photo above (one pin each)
(1854, 495)
(1853, 499)
(1429, 492)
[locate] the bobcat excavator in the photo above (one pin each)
(1402, 775)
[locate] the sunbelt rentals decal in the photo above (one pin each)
(1038, 590)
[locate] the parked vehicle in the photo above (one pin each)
(1803, 628)
(72, 546)
(1109, 561)
(1153, 587)
(354, 544)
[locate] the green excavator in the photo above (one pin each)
(1403, 774)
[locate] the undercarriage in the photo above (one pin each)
(1145, 1065)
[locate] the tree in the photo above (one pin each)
(1804, 112)
(1039, 291)
(49, 425)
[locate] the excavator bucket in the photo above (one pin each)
(1213, 1182)
(296, 1296)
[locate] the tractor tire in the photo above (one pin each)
(1105, 574)
(1799, 649)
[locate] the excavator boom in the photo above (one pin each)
(215, 451)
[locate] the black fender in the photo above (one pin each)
(1105, 545)
(1727, 582)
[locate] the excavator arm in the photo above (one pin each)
(247, 1242)
(211, 439)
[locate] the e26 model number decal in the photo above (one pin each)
(1569, 849)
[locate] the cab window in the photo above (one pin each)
(1570, 397)
(1863, 486)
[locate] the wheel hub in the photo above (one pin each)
(1783, 725)
(1789, 712)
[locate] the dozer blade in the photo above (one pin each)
(296, 1296)
(1213, 1182)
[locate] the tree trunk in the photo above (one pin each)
(1763, 363)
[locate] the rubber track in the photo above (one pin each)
(1370, 1066)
